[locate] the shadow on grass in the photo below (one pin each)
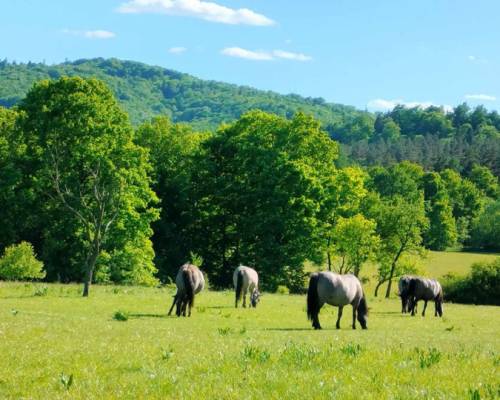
(146, 315)
(289, 329)
(385, 312)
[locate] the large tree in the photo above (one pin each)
(173, 149)
(260, 190)
(355, 241)
(400, 224)
(88, 167)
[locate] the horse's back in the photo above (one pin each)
(336, 289)
(426, 288)
(249, 275)
(197, 275)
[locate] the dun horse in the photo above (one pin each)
(189, 281)
(336, 290)
(425, 289)
(246, 279)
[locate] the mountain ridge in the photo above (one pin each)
(145, 91)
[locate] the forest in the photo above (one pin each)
(100, 200)
(435, 138)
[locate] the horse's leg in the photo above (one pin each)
(425, 306)
(353, 316)
(315, 318)
(245, 298)
(413, 306)
(173, 304)
(339, 316)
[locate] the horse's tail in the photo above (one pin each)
(439, 301)
(239, 284)
(363, 306)
(189, 286)
(313, 297)
(412, 287)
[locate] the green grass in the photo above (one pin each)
(119, 343)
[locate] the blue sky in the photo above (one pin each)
(367, 53)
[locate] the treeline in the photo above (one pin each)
(103, 202)
(430, 137)
(146, 91)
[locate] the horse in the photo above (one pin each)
(246, 279)
(189, 281)
(403, 286)
(425, 289)
(336, 290)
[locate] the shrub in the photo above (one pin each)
(282, 289)
(19, 262)
(481, 286)
(120, 316)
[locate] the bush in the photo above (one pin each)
(19, 262)
(282, 289)
(481, 286)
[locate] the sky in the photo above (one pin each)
(371, 54)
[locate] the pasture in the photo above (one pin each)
(55, 344)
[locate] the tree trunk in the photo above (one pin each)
(328, 256)
(89, 270)
(380, 283)
(391, 275)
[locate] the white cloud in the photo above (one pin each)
(387, 105)
(477, 60)
(177, 50)
(482, 97)
(260, 55)
(205, 10)
(291, 56)
(97, 34)
(247, 54)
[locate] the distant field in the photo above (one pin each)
(223, 353)
(435, 265)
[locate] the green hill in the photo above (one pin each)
(145, 91)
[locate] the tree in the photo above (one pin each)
(485, 231)
(391, 130)
(260, 187)
(485, 181)
(465, 200)
(88, 165)
(344, 194)
(442, 231)
(400, 224)
(19, 262)
(173, 149)
(355, 241)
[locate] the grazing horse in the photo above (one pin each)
(189, 281)
(425, 289)
(246, 279)
(336, 290)
(403, 286)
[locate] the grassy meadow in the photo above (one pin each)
(55, 344)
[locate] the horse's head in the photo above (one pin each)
(255, 298)
(362, 312)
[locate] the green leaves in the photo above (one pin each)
(260, 187)
(19, 262)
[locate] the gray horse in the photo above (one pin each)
(246, 279)
(425, 289)
(336, 290)
(189, 281)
